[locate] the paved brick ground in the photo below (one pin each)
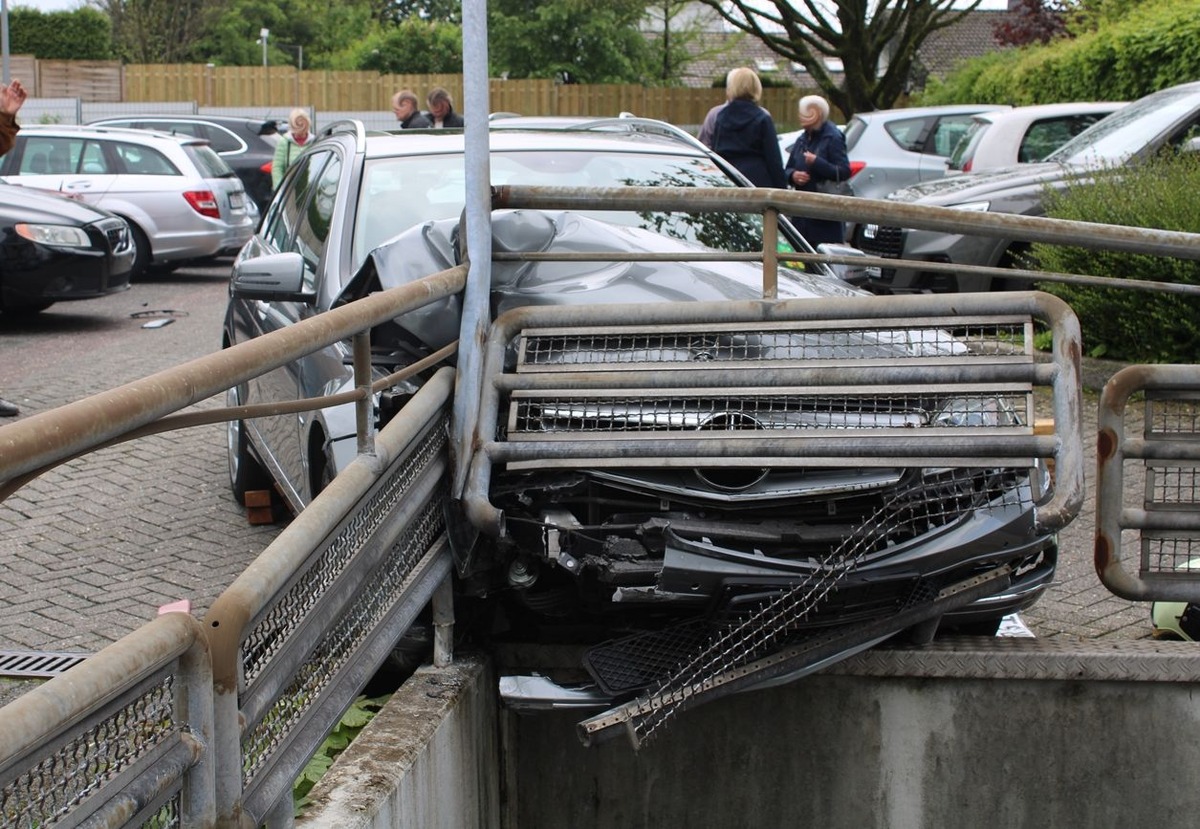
(90, 550)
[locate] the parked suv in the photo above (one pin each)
(1166, 119)
(360, 213)
(246, 144)
(181, 200)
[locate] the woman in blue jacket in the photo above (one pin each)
(818, 164)
(744, 134)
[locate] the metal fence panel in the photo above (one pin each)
(1151, 552)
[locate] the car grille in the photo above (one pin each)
(884, 242)
(116, 234)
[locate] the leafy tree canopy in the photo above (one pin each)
(876, 41)
(82, 34)
(398, 11)
(577, 41)
(414, 47)
(1033, 21)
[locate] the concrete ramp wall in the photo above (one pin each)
(1073, 746)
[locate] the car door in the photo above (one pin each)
(70, 165)
(299, 221)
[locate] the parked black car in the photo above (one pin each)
(54, 249)
(246, 144)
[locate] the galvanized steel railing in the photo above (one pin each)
(1151, 551)
(122, 739)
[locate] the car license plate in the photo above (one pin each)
(237, 200)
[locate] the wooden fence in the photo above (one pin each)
(282, 87)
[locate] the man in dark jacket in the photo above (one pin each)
(744, 134)
(441, 109)
(11, 97)
(408, 113)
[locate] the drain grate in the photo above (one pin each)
(37, 664)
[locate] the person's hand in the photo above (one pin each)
(799, 177)
(809, 158)
(11, 97)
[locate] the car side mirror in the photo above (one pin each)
(276, 277)
(854, 274)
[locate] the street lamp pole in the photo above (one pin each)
(4, 40)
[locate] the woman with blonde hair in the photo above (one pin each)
(744, 134)
(818, 164)
(291, 145)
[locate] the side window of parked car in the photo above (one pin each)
(144, 161)
(313, 230)
(1047, 135)
(947, 133)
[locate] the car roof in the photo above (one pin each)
(939, 109)
(180, 117)
(1039, 110)
(576, 134)
(124, 133)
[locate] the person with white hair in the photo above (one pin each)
(291, 145)
(818, 163)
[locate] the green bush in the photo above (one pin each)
(1155, 44)
(1130, 324)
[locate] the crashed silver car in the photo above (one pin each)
(644, 475)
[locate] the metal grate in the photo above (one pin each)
(37, 664)
(711, 344)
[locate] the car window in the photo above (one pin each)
(144, 161)
(964, 151)
(207, 161)
(221, 139)
(49, 155)
(400, 192)
(854, 131)
(312, 229)
(947, 133)
(1048, 134)
(286, 212)
(909, 133)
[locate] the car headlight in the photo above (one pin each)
(58, 235)
(974, 206)
(976, 411)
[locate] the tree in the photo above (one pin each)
(321, 28)
(83, 34)
(397, 11)
(577, 41)
(414, 47)
(875, 41)
(155, 31)
(679, 37)
(1032, 21)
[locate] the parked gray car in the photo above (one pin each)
(1169, 118)
(894, 148)
(360, 213)
(181, 200)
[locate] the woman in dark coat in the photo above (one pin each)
(818, 159)
(744, 134)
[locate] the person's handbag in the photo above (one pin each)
(833, 188)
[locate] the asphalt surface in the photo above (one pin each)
(90, 550)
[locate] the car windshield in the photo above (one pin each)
(403, 191)
(1128, 130)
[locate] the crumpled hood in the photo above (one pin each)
(432, 247)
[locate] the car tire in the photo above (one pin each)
(246, 474)
(141, 252)
(321, 467)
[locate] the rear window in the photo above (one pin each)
(207, 161)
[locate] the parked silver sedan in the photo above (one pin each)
(181, 200)
(1024, 135)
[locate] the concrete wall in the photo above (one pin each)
(832, 750)
(892, 753)
(426, 761)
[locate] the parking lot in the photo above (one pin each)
(93, 548)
